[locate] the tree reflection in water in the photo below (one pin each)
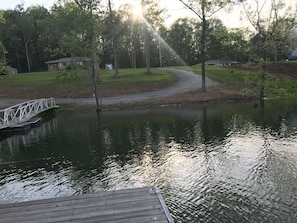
(216, 163)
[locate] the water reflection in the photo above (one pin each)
(212, 164)
(12, 145)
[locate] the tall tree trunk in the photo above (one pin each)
(27, 55)
(114, 42)
(94, 62)
(133, 53)
(18, 60)
(275, 53)
(146, 42)
(203, 49)
(262, 86)
(133, 58)
(160, 53)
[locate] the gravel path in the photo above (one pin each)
(189, 81)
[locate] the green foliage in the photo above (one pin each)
(274, 27)
(2, 20)
(73, 27)
(184, 37)
(68, 76)
(275, 87)
(65, 30)
(153, 13)
(226, 44)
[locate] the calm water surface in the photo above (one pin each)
(227, 163)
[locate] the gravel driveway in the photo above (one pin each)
(189, 81)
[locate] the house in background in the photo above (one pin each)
(219, 63)
(63, 63)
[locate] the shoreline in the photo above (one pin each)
(217, 94)
(214, 95)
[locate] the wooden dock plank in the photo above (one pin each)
(131, 205)
(79, 202)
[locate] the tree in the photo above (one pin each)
(3, 67)
(114, 42)
(204, 9)
(131, 41)
(41, 34)
(89, 6)
(238, 45)
(11, 39)
(70, 27)
(226, 44)
(146, 40)
(152, 22)
(27, 28)
(2, 49)
(273, 22)
(25, 36)
(182, 37)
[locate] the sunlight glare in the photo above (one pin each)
(164, 43)
(137, 11)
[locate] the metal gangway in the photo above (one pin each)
(22, 113)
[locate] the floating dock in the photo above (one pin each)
(24, 115)
(138, 205)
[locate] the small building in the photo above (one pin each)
(108, 66)
(63, 63)
(219, 63)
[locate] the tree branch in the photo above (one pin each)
(189, 7)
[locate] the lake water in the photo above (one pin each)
(223, 163)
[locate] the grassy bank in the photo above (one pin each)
(278, 85)
(82, 76)
(78, 84)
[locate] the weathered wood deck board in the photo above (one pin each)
(140, 205)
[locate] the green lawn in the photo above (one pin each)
(82, 77)
(75, 81)
(275, 86)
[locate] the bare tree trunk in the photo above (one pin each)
(27, 56)
(146, 43)
(275, 53)
(160, 53)
(208, 8)
(94, 62)
(133, 58)
(95, 88)
(114, 42)
(262, 86)
(18, 60)
(203, 50)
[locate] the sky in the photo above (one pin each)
(174, 7)
(10, 4)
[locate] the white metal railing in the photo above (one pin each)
(23, 112)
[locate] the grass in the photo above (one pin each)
(25, 79)
(68, 84)
(78, 84)
(275, 86)
(138, 76)
(82, 77)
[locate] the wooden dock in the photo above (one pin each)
(21, 116)
(139, 205)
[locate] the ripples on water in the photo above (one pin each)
(211, 165)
